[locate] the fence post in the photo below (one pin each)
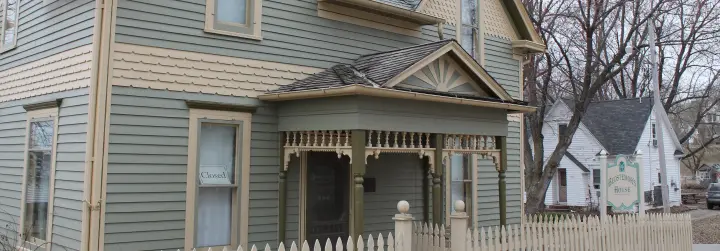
(641, 181)
(458, 227)
(403, 226)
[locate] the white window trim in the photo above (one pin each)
(36, 115)
(240, 213)
(2, 26)
(255, 22)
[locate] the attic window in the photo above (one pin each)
(562, 128)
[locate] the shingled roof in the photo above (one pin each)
(617, 124)
(378, 69)
(405, 4)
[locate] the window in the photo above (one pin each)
(239, 18)
(461, 180)
(37, 199)
(654, 135)
(218, 178)
(562, 128)
(470, 28)
(9, 12)
(596, 178)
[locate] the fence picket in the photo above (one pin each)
(281, 247)
(254, 248)
(316, 246)
(370, 243)
(350, 245)
(328, 245)
(391, 243)
(380, 243)
(360, 244)
(305, 246)
(293, 247)
(339, 244)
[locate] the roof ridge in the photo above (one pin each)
(404, 48)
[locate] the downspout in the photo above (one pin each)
(90, 136)
(92, 196)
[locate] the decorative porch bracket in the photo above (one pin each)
(400, 142)
(319, 141)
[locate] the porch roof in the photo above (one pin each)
(379, 74)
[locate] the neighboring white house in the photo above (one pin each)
(618, 127)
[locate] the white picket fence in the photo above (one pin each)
(654, 232)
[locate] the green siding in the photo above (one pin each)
(345, 113)
(398, 177)
(70, 165)
(147, 168)
(501, 66)
(291, 30)
(48, 29)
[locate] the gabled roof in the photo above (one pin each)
(523, 23)
(382, 71)
(576, 161)
(618, 124)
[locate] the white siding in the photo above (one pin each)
(652, 168)
(584, 147)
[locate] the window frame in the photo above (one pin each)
(241, 195)
(49, 114)
(251, 30)
(3, 23)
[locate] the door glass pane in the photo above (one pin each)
(216, 156)
(214, 216)
(37, 184)
(10, 22)
(457, 184)
(232, 11)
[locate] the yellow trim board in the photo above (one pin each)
(391, 93)
(175, 70)
(60, 72)
(475, 69)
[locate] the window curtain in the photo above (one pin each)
(214, 204)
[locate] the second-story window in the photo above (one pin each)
(239, 18)
(9, 13)
(470, 27)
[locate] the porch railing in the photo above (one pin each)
(663, 232)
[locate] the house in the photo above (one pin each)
(706, 171)
(164, 125)
(620, 127)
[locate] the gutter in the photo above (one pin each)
(390, 93)
(387, 9)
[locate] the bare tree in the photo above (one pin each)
(587, 47)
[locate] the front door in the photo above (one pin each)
(562, 185)
(328, 180)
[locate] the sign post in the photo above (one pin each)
(603, 186)
(641, 182)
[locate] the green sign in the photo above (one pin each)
(623, 183)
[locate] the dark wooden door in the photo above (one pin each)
(327, 198)
(562, 185)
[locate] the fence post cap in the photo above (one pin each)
(403, 207)
(459, 206)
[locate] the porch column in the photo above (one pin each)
(437, 198)
(282, 187)
(501, 167)
(358, 171)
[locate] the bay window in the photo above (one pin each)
(9, 15)
(239, 18)
(36, 218)
(470, 28)
(218, 173)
